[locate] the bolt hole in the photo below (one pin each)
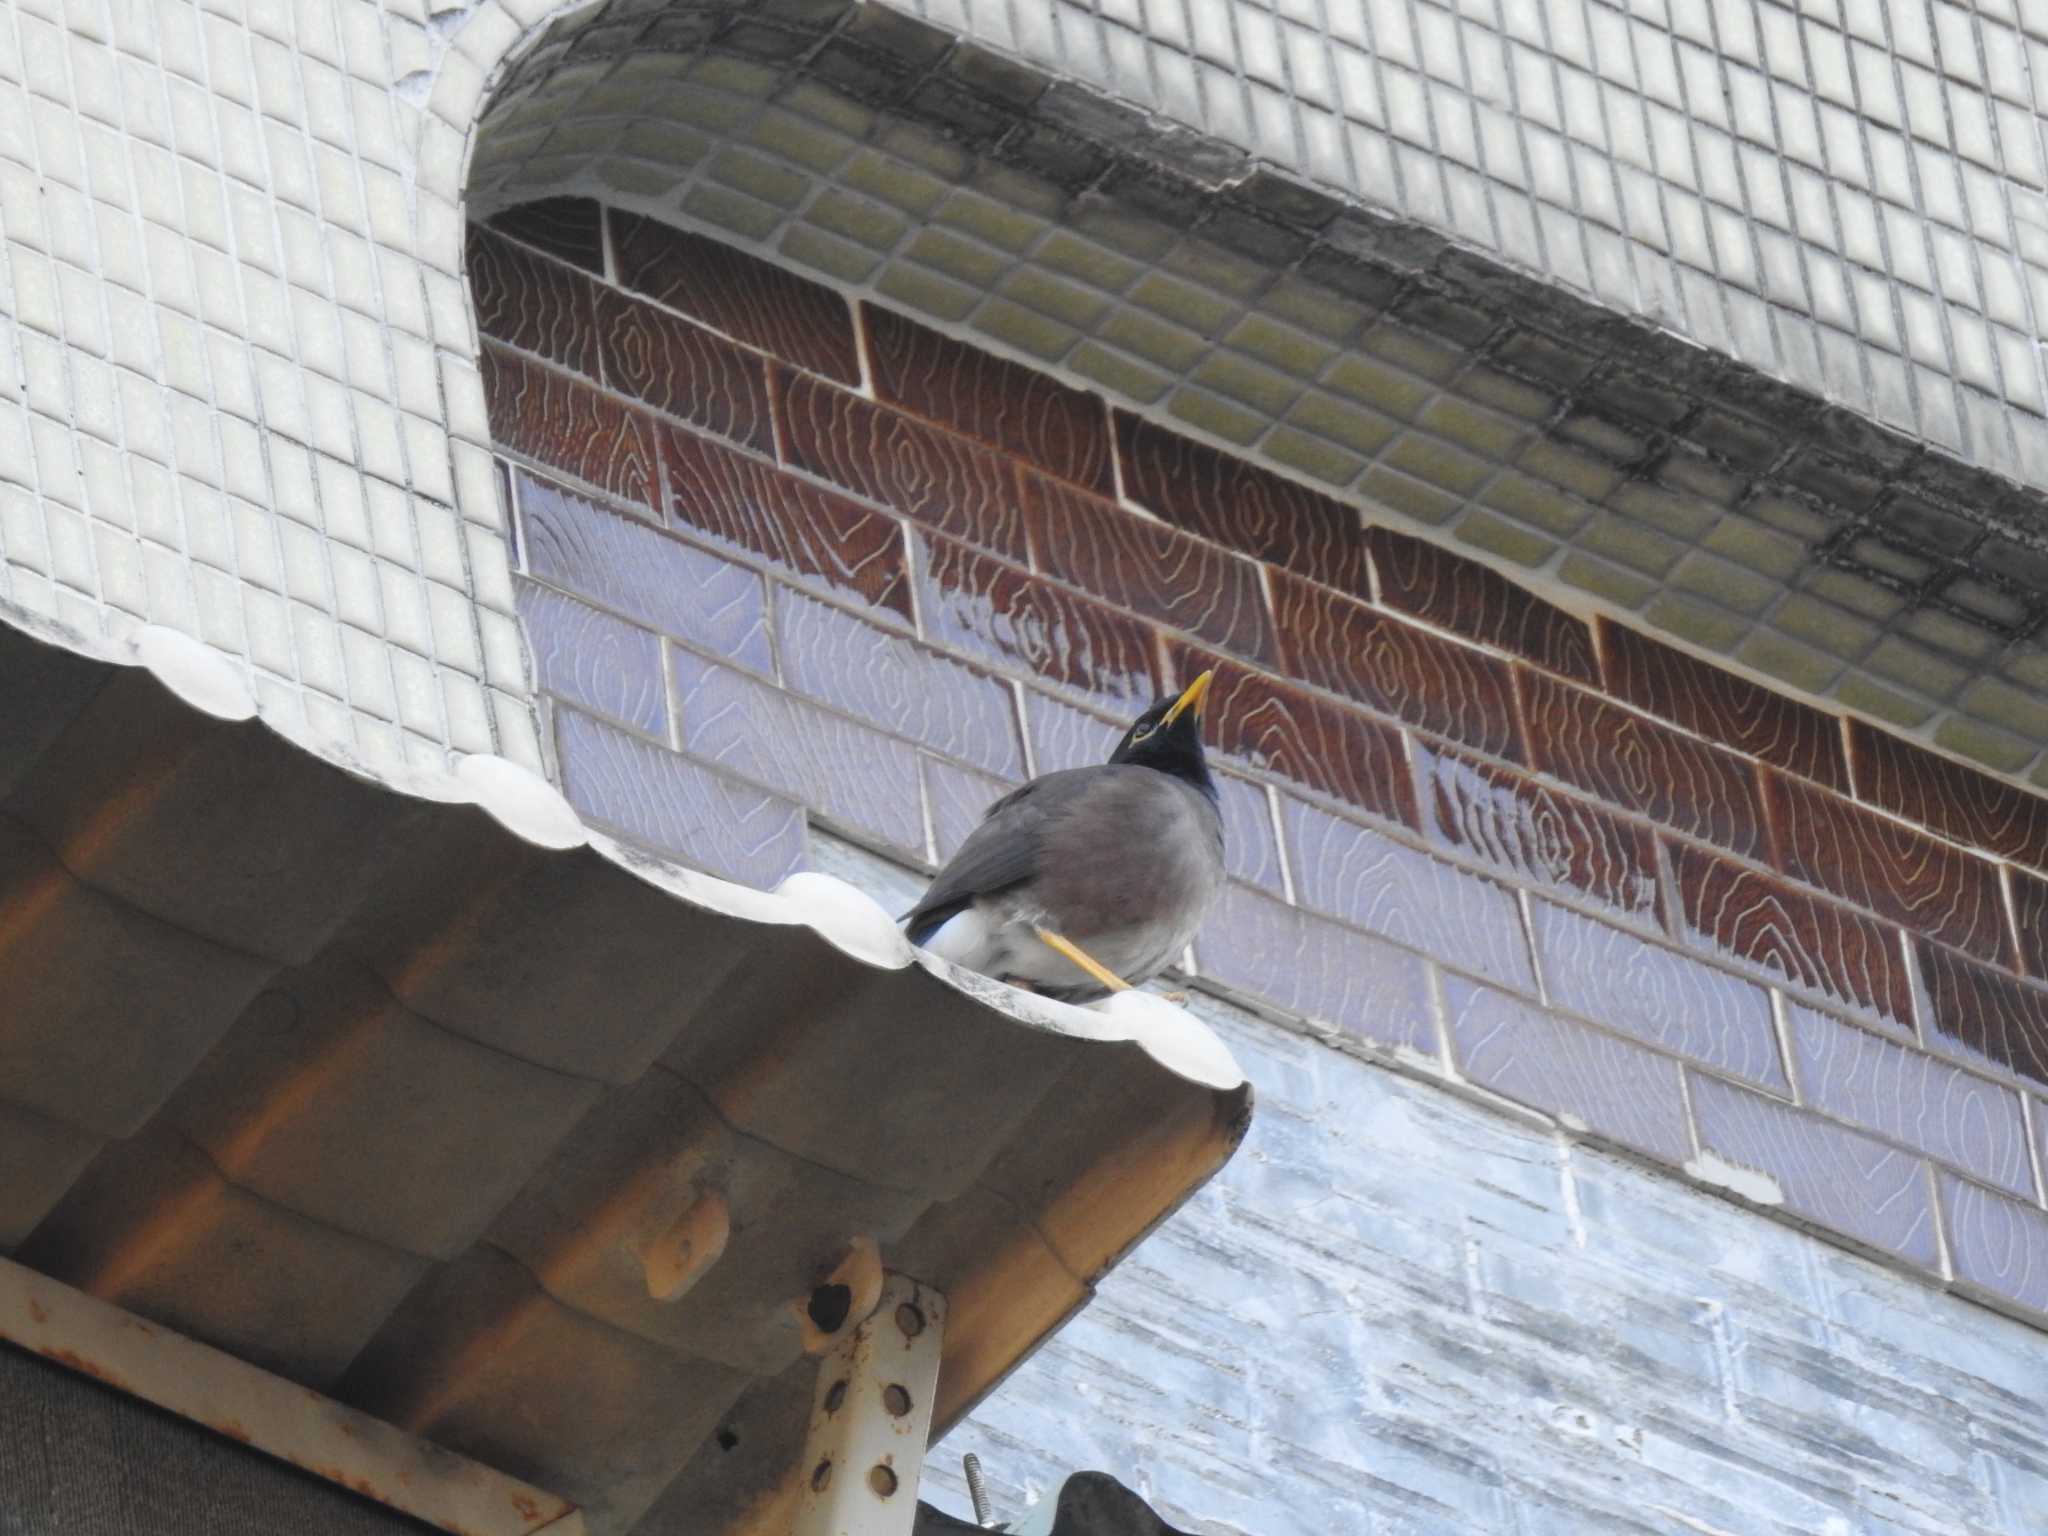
(727, 1440)
(821, 1476)
(834, 1396)
(896, 1400)
(910, 1320)
(828, 1307)
(882, 1480)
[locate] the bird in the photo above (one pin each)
(1088, 881)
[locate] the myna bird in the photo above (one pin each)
(1089, 880)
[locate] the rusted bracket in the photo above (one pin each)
(871, 1417)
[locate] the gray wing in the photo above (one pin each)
(1000, 853)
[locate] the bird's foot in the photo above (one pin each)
(1081, 957)
(1178, 999)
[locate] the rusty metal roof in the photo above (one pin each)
(427, 1097)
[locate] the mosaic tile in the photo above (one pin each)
(1929, 1104)
(553, 420)
(1591, 1080)
(1984, 1015)
(1294, 737)
(595, 660)
(1640, 765)
(1841, 956)
(1539, 835)
(1660, 996)
(532, 304)
(1396, 668)
(1723, 707)
(750, 300)
(1150, 569)
(637, 570)
(840, 769)
(1889, 868)
(950, 484)
(898, 684)
(1470, 599)
(970, 602)
(1778, 1156)
(1305, 965)
(1240, 506)
(1999, 1247)
(567, 227)
(1948, 798)
(1020, 410)
(683, 370)
(661, 801)
(1385, 887)
(817, 538)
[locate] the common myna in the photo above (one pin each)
(1089, 880)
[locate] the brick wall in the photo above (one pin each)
(789, 560)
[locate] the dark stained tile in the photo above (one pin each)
(1933, 1105)
(1240, 506)
(594, 660)
(1470, 599)
(660, 801)
(1151, 569)
(1782, 1157)
(1888, 867)
(958, 798)
(891, 680)
(1537, 834)
(1065, 737)
(531, 303)
(639, 571)
(683, 370)
(2030, 921)
(748, 299)
(1998, 1246)
(1946, 797)
(840, 769)
(1612, 1087)
(1372, 882)
(946, 482)
(1009, 618)
(1251, 851)
(567, 227)
(815, 537)
(1321, 970)
(1020, 410)
(553, 420)
(1291, 735)
(1984, 1015)
(1839, 956)
(1723, 707)
(1661, 996)
(1390, 665)
(1641, 765)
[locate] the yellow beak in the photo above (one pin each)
(1191, 698)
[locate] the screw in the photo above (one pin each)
(975, 1490)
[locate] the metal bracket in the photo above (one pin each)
(871, 1417)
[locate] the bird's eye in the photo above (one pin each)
(1139, 733)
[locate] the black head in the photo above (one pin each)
(1168, 737)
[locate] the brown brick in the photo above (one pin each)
(746, 298)
(1723, 707)
(553, 420)
(1061, 430)
(567, 227)
(1946, 797)
(1981, 1014)
(946, 482)
(1240, 506)
(1470, 599)
(1890, 868)
(1390, 665)
(531, 303)
(683, 370)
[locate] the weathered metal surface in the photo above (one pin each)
(424, 1097)
(270, 1414)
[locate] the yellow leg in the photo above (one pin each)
(1082, 958)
